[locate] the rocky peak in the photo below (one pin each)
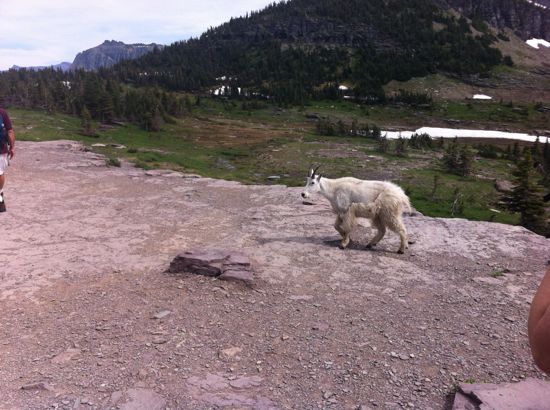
(527, 18)
(109, 53)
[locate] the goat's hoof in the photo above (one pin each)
(342, 246)
(401, 252)
(369, 246)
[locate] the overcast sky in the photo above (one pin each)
(46, 32)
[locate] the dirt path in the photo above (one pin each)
(85, 247)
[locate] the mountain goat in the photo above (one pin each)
(343, 192)
(385, 212)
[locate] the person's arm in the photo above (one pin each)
(11, 139)
(539, 325)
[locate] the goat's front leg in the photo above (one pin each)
(379, 235)
(344, 229)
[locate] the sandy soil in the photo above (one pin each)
(84, 253)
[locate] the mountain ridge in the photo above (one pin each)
(298, 47)
(109, 53)
(103, 55)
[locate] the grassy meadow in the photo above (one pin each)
(223, 139)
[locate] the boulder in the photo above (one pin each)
(224, 264)
(529, 394)
(503, 185)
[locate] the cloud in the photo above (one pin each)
(37, 32)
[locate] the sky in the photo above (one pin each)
(47, 32)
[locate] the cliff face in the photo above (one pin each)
(527, 19)
(109, 53)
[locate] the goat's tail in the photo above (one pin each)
(406, 202)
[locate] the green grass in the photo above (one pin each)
(227, 142)
(478, 196)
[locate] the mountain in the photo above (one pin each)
(104, 55)
(297, 49)
(110, 53)
(526, 18)
(64, 66)
(545, 3)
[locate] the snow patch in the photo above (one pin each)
(461, 133)
(482, 97)
(534, 3)
(536, 42)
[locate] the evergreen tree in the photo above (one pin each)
(546, 161)
(376, 132)
(450, 158)
(86, 122)
(341, 128)
(508, 154)
(156, 120)
(535, 150)
(526, 197)
(465, 161)
(458, 160)
(515, 152)
(401, 147)
(383, 144)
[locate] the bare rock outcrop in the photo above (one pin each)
(321, 328)
(224, 264)
(528, 394)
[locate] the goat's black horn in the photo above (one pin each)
(315, 170)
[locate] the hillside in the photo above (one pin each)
(299, 48)
(86, 246)
(523, 17)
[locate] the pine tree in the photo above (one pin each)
(401, 147)
(383, 144)
(465, 161)
(376, 132)
(515, 152)
(546, 160)
(450, 158)
(508, 154)
(526, 197)
(86, 121)
(535, 150)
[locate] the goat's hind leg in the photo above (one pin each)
(399, 228)
(379, 235)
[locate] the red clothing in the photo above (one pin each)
(7, 125)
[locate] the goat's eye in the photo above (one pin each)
(312, 183)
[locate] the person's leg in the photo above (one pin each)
(3, 166)
(2, 204)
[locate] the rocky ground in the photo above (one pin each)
(92, 320)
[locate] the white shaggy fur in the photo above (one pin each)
(342, 192)
(385, 212)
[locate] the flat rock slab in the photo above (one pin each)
(532, 394)
(229, 391)
(138, 399)
(224, 264)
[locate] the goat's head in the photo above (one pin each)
(312, 183)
